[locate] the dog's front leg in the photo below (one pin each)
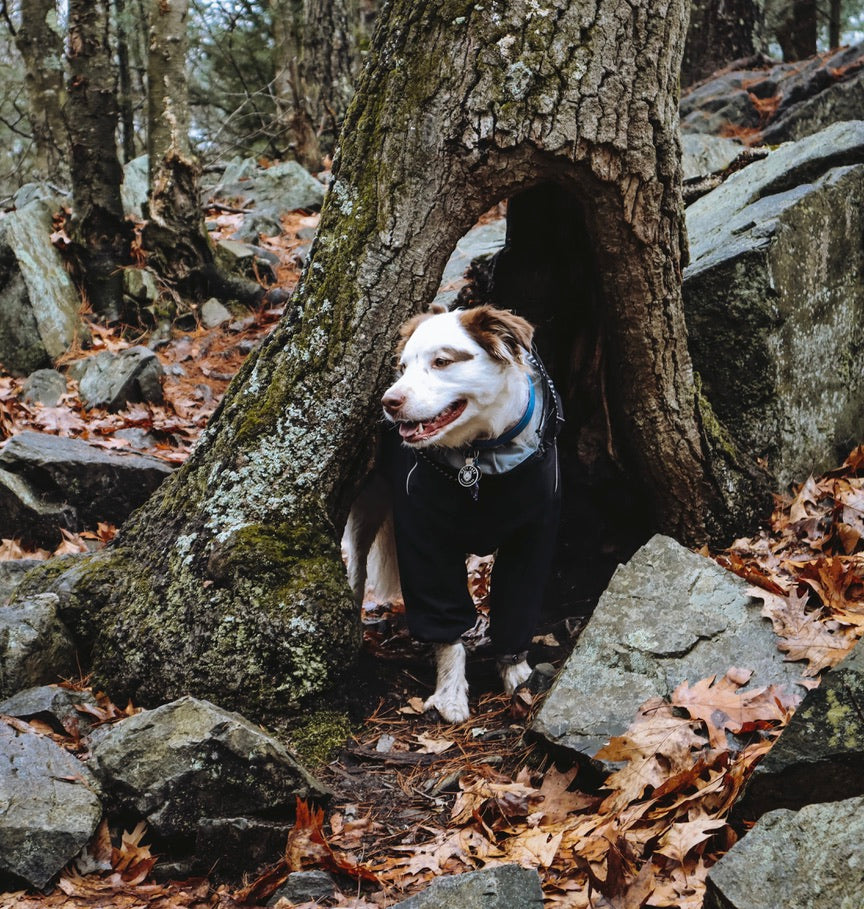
(513, 672)
(450, 698)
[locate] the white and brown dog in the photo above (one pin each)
(469, 465)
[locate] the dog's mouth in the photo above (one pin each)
(414, 431)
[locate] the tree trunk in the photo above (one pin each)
(99, 229)
(40, 44)
(127, 114)
(175, 235)
(797, 29)
(835, 22)
(720, 31)
(229, 583)
(315, 64)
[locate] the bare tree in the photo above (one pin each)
(229, 582)
(721, 31)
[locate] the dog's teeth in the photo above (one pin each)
(419, 427)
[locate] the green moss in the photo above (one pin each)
(716, 433)
(316, 737)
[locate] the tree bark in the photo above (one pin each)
(175, 235)
(99, 229)
(229, 583)
(315, 68)
(796, 29)
(40, 44)
(720, 31)
(127, 113)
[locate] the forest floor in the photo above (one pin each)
(416, 798)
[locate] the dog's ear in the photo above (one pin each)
(501, 333)
(408, 328)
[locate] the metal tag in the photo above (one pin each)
(468, 475)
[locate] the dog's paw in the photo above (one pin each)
(513, 675)
(451, 704)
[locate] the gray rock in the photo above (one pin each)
(819, 756)
(27, 515)
(237, 846)
(140, 284)
(45, 386)
(483, 240)
(213, 313)
(54, 705)
(50, 805)
(666, 617)
(135, 186)
(34, 192)
(812, 859)
(39, 304)
(190, 760)
(270, 191)
(305, 887)
(113, 380)
(11, 573)
(97, 484)
(703, 155)
(773, 284)
(246, 258)
(502, 887)
(35, 646)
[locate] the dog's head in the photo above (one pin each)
(462, 376)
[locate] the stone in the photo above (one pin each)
(140, 285)
(39, 303)
(11, 573)
(305, 887)
(51, 806)
(190, 760)
(501, 887)
(774, 303)
(246, 259)
(810, 859)
(213, 314)
(33, 192)
(482, 240)
(819, 756)
(703, 155)
(35, 646)
(667, 616)
(83, 483)
(45, 386)
(270, 192)
(54, 705)
(779, 102)
(135, 187)
(113, 380)
(26, 515)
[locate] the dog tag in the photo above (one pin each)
(469, 475)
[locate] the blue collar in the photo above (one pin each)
(483, 444)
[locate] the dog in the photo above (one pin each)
(468, 463)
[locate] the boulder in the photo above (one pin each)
(778, 102)
(774, 302)
(59, 707)
(39, 304)
(51, 806)
(270, 192)
(237, 846)
(45, 386)
(819, 756)
(808, 859)
(139, 285)
(246, 259)
(113, 380)
(135, 186)
(483, 240)
(703, 155)
(11, 573)
(35, 646)
(213, 313)
(190, 761)
(305, 887)
(667, 616)
(82, 483)
(501, 887)
(26, 516)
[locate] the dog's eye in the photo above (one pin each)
(441, 362)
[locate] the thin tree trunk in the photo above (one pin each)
(99, 229)
(797, 31)
(835, 22)
(40, 44)
(175, 235)
(229, 583)
(127, 116)
(720, 31)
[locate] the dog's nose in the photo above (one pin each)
(392, 401)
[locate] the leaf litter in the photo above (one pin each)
(416, 799)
